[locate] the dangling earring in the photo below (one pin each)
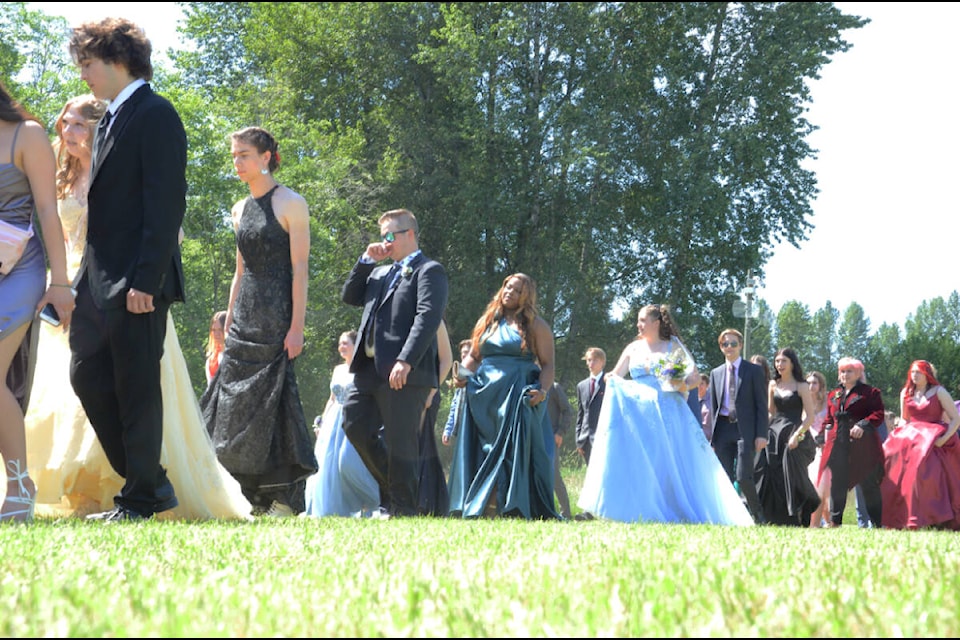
(264, 171)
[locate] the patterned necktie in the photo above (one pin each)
(732, 392)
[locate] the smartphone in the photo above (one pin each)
(49, 314)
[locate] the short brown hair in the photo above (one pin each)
(403, 216)
(595, 352)
(729, 331)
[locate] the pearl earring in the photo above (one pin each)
(264, 171)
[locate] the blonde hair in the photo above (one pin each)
(69, 170)
(218, 318)
(595, 352)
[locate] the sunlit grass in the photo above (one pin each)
(449, 578)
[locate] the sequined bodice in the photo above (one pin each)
(341, 383)
(73, 218)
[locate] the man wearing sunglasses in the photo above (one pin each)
(737, 395)
(395, 363)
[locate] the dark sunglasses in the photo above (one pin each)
(390, 236)
(729, 343)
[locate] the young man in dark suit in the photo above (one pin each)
(739, 417)
(131, 270)
(589, 398)
(395, 361)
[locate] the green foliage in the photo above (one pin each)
(619, 153)
(34, 64)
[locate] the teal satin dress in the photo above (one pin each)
(500, 447)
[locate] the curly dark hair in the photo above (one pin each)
(114, 41)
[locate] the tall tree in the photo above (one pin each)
(794, 328)
(853, 334)
(820, 355)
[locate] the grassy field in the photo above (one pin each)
(450, 578)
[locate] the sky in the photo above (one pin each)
(885, 229)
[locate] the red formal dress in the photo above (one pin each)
(921, 484)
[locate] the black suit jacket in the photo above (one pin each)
(588, 409)
(406, 318)
(134, 214)
(753, 417)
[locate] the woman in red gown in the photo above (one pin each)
(921, 484)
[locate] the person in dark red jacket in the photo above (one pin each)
(852, 449)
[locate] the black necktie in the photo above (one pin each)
(370, 330)
(393, 277)
(102, 131)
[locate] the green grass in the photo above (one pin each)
(451, 578)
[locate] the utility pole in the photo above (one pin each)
(746, 309)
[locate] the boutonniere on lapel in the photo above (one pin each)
(407, 271)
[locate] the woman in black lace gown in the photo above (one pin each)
(786, 493)
(252, 406)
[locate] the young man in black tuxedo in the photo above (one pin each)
(395, 362)
(131, 270)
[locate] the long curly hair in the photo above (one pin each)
(69, 169)
(526, 314)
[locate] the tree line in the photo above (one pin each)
(619, 153)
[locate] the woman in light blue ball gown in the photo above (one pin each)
(342, 485)
(650, 459)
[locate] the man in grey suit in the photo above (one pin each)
(738, 414)
(589, 399)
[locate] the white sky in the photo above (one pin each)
(885, 230)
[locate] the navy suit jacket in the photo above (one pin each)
(133, 224)
(406, 318)
(753, 418)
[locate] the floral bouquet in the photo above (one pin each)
(672, 370)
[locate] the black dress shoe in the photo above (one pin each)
(583, 515)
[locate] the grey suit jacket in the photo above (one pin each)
(751, 401)
(588, 409)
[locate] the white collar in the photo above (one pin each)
(125, 93)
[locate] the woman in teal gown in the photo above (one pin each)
(500, 463)
(650, 460)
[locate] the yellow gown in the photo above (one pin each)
(70, 469)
